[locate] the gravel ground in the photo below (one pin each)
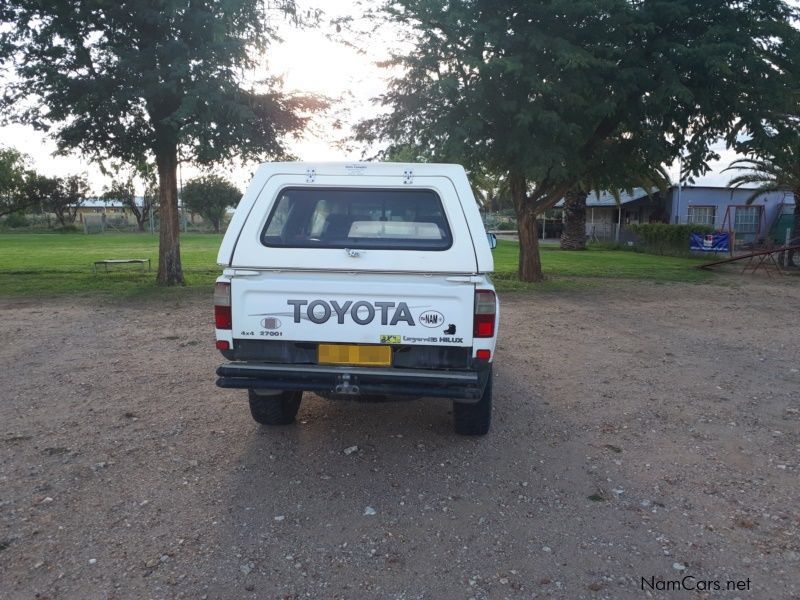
(640, 431)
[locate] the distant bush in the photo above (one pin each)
(15, 220)
(663, 238)
(70, 228)
(507, 226)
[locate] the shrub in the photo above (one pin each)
(507, 226)
(663, 238)
(15, 220)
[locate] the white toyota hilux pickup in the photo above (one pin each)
(358, 280)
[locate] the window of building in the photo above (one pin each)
(746, 219)
(702, 215)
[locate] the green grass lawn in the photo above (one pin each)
(51, 264)
(562, 267)
(57, 264)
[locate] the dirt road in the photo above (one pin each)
(640, 432)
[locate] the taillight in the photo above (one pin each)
(485, 313)
(222, 306)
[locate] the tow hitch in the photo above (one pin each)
(345, 386)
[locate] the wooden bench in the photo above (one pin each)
(121, 261)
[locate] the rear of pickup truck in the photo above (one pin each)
(364, 287)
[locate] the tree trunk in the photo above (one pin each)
(139, 215)
(530, 265)
(61, 215)
(574, 235)
(169, 248)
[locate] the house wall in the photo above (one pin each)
(601, 222)
(109, 210)
(721, 199)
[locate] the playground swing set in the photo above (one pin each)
(763, 247)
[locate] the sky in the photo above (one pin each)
(310, 62)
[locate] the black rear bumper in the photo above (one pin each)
(466, 386)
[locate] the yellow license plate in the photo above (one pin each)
(346, 354)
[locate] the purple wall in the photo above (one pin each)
(721, 199)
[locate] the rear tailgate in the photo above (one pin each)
(355, 308)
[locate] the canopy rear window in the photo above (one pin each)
(403, 219)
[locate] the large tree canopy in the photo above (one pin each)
(62, 196)
(773, 153)
(773, 166)
(123, 190)
(146, 79)
(13, 172)
(554, 93)
(210, 196)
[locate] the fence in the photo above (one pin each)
(95, 223)
(549, 227)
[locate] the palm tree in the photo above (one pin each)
(491, 189)
(574, 234)
(773, 172)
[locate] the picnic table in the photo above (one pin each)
(121, 261)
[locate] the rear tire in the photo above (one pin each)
(474, 419)
(279, 409)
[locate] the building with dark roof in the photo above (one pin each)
(723, 208)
